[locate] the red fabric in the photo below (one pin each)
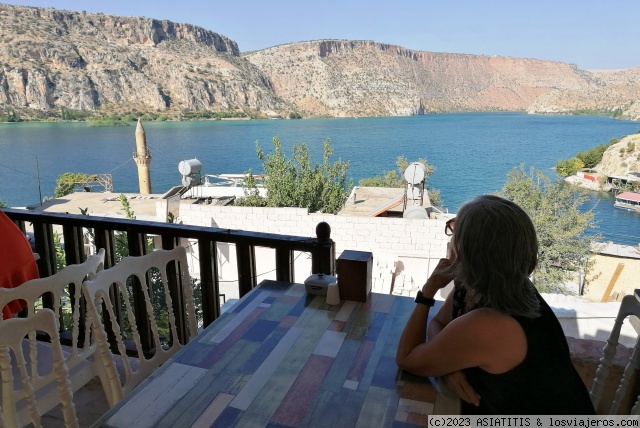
(17, 264)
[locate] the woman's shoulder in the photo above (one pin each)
(489, 322)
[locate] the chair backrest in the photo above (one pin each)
(140, 286)
(72, 277)
(630, 306)
(20, 405)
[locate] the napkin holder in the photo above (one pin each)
(317, 284)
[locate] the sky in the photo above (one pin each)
(593, 34)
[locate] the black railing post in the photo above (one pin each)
(74, 254)
(209, 284)
(137, 243)
(323, 255)
(284, 265)
(246, 255)
(174, 282)
(46, 248)
(73, 244)
(105, 238)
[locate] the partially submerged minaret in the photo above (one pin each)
(142, 156)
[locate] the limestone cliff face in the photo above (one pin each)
(621, 158)
(363, 78)
(615, 91)
(51, 58)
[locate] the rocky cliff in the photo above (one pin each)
(621, 158)
(51, 58)
(363, 78)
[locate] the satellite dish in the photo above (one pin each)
(415, 173)
(415, 211)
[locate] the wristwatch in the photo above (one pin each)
(424, 300)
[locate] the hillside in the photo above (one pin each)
(621, 158)
(363, 78)
(52, 60)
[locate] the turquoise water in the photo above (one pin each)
(472, 152)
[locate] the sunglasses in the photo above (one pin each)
(449, 226)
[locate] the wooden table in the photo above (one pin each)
(282, 358)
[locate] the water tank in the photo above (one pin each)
(415, 173)
(414, 192)
(415, 211)
(189, 181)
(190, 166)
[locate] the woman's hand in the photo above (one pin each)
(457, 383)
(438, 279)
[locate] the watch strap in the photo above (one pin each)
(424, 300)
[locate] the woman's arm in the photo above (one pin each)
(481, 338)
(442, 317)
(484, 337)
(414, 332)
(456, 381)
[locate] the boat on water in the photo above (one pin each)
(629, 201)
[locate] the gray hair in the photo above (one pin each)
(497, 250)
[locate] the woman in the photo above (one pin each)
(495, 340)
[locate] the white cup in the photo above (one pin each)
(333, 294)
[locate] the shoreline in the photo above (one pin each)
(588, 184)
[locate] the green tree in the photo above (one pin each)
(68, 181)
(567, 167)
(2, 203)
(592, 157)
(296, 182)
(396, 179)
(122, 243)
(560, 226)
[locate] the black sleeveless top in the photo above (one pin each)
(545, 383)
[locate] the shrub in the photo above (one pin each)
(567, 167)
(297, 183)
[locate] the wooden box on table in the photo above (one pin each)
(354, 275)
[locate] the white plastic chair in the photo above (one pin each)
(151, 273)
(630, 306)
(24, 384)
(81, 361)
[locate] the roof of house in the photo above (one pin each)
(376, 201)
(102, 204)
(630, 196)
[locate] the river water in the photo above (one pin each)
(472, 152)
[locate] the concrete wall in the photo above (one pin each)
(603, 272)
(404, 247)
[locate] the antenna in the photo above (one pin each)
(39, 181)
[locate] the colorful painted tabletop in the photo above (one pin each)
(282, 358)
